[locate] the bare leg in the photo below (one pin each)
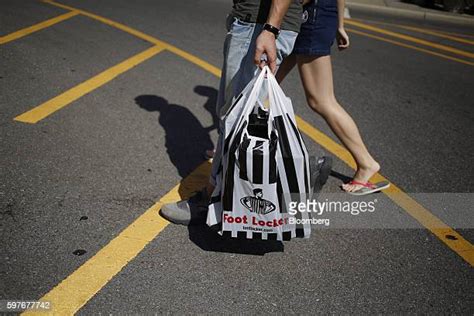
(316, 76)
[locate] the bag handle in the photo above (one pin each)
(274, 107)
(250, 101)
(253, 96)
(276, 93)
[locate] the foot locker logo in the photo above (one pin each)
(257, 204)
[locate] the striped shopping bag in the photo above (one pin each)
(264, 166)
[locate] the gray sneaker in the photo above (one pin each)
(320, 168)
(187, 212)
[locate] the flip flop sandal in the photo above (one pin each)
(368, 188)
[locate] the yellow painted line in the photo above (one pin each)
(49, 107)
(438, 34)
(427, 51)
(421, 30)
(197, 61)
(455, 34)
(37, 27)
(424, 31)
(460, 246)
(80, 286)
(109, 22)
(43, 110)
(411, 39)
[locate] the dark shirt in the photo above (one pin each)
(256, 11)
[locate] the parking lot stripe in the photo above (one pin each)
(79, 287)
(114, 24)
(447, 35)
(49, 107)
(411, 39)
(37, 27)
(197, 61)
(438, 34)
(427, 51)
(445, 233)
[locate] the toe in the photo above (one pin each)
(346, 187)
(352, 187)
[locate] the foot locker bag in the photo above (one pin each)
(264, 167)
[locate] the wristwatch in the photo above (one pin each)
(272, 29)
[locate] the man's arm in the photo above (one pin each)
(265, 43)
(278, 10)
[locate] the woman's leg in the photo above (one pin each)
(316, 76)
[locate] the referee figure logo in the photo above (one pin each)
(257, 204)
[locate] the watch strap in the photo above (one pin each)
(272, 29)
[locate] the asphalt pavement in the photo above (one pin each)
(73, 181)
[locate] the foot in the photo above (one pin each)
(369, 188)
(187, 212)
(362, 175)
(320, 168)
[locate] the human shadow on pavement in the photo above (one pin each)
(210, 105)
(186, 141)
(340, 176)
(207, 239)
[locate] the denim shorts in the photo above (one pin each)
(319, 30)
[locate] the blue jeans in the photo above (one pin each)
(239, 68)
